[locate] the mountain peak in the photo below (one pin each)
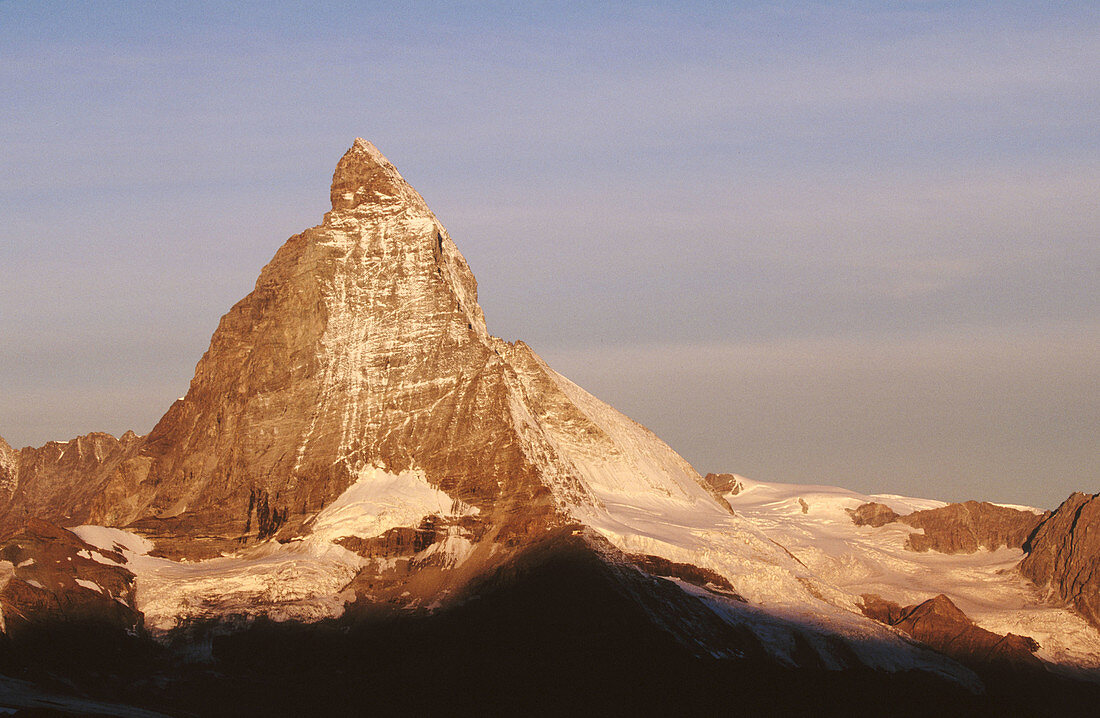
(366, 149)
(364, 176)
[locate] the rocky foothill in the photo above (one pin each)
(939, 624)
(956, 528)
(50, 576)
(1062, 548)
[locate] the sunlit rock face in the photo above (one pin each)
(354, 442)
(9, 470)
(956, 528)
(940, 624)
(60, 481)
(362, 346)
(1064, 555)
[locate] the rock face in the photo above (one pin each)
(956, 528)
(362, 346)
(966, 527)
(50, 576)
(724, 483)
(9, 470)
(701, 577)
(60, 481)
(939, 624)
(873, 514)
(1064, 555)
(378, 468)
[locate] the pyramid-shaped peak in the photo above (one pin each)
(367, 148)
(364, 175)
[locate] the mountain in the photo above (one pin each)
(359, 463)
(1064, 555)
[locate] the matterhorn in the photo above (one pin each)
(367, 503)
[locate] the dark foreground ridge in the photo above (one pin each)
(557, 630)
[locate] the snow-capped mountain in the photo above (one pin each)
(355, 443)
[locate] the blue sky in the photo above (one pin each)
(847, 243)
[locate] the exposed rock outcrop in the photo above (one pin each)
(1064, 555)
(49, 575)
(9, 470)
(695, 575)
(873, 514)
(724, 483)
(966, 527)
(60, 481)
(939, 624)
(956, 528)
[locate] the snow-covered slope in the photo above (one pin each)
(813, 524)
(304, 579)
(354, 433)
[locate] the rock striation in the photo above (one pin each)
(1063, 555)
(9, 470)
(362, 347)
(956, 528)
(363, 463)
(60, 481)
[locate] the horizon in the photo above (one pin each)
(851, 247)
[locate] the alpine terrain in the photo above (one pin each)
(367, 504)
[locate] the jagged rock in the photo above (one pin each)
(955, 528)
(9, 469)
(939, 624)
(881, 610)
(1063, 554)
(873, 514)
(362, 348)
(345, 403)
(966, 527)
(362, 345)
(695, 575)
(724, 483)
(52, 577)
(59, 482)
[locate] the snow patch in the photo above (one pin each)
(111, 539)
(379, 501)
(303, 579)
(92, 585)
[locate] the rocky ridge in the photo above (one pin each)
(956, 528)
(1063, 555)
(940, 624)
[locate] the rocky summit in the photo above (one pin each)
(362, 486)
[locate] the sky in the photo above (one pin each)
(844, 243)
